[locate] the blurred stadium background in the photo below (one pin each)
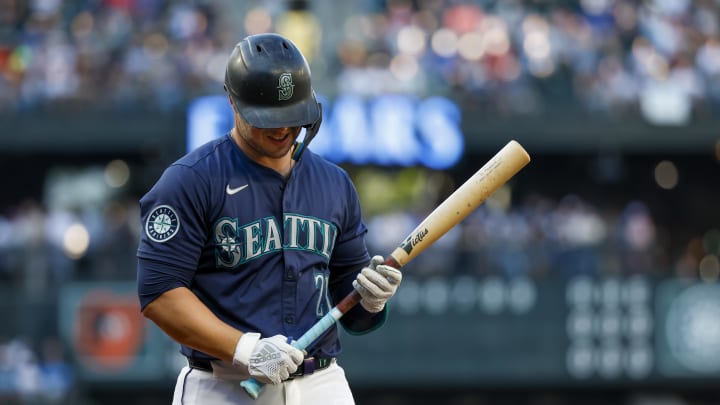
(591, 278)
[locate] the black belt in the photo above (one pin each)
(311, 365)
(203, 365)
(308, 366)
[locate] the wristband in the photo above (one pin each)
(244, 348)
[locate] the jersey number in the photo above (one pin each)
(323, 303)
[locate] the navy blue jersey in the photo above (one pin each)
(265, 254)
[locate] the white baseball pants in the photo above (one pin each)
(324, 387)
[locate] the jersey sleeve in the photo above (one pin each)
(174, 232)
(349, 256)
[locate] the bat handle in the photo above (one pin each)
(392, 262)
(253, 386)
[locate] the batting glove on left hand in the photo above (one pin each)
(376, 284)
(269, 360)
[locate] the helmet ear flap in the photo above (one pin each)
(310, 132)
(315, 126)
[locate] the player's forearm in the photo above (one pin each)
(181, 315)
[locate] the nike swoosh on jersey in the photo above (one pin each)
(232, 191)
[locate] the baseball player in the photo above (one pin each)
(251, 238)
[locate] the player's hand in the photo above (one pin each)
(269, 360)
(376, 284)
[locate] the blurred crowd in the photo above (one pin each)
(660, 58)
(30, 376)
(542, 238)
(121, 54)
(523, 57)
(538, 238)
(40, 248)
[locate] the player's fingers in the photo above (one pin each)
(358, 287)
(274, 379)
(375, 261)
(377, 278)
(297, 357)
(374, 282)
(392, 274)
(283, 373)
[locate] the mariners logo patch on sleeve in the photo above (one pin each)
(162, 224)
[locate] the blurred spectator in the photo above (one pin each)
(29, 378)
(20, 374)
(57, 376)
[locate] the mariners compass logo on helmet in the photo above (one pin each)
(285, 86)
(162, 223)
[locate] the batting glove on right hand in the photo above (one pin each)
(376, 284)
(269, 360)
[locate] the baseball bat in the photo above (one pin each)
(490, 177)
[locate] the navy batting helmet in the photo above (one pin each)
(268, 80)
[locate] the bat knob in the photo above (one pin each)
(252, 387)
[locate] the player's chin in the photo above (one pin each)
(282, 145)
(278, 151)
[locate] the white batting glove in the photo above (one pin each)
(376, 284)
(269, 360)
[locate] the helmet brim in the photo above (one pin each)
(299, 114)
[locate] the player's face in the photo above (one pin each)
(273, 143)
